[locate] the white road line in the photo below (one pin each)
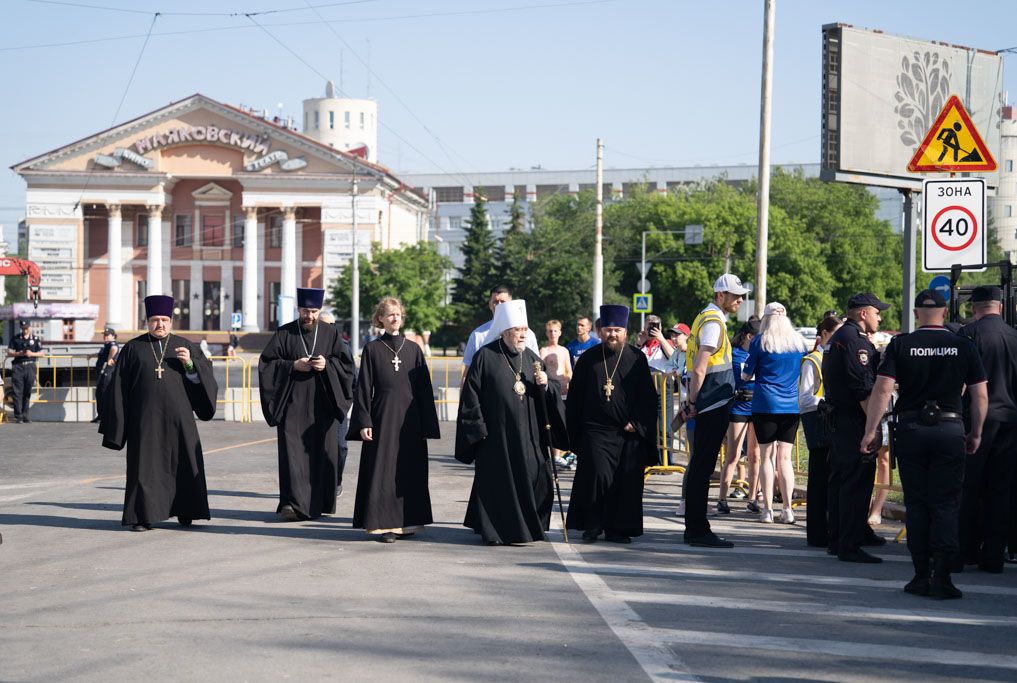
(657, 660)
(773, 577)
(863, 651)
(4, 487)
(739, 549)
(817, 608)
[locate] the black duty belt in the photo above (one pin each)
(914, 415)
(18, 361)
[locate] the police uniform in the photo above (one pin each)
(23, 373)
(931, 367)
(849, 373)
(985, 503)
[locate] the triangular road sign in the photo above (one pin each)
(952, 144)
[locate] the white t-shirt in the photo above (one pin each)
(807, 385)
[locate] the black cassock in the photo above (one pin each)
(398, 405)
(154, 418)
(607, 492)
(501, 434)
(306, 409)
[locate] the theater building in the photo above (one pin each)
(224, 209)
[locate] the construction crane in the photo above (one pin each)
(11, 265)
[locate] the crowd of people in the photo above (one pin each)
(594, 402)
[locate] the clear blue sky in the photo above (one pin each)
(501, 83)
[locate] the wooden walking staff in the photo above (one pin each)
(543, 417)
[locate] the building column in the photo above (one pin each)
(154, 274)
(250, 300)
(114, 278)
(288, 283)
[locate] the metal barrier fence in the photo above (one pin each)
(62, 372)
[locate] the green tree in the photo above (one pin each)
(511, 240)
(415, 274)
(479, 271)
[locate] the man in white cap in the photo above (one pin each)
(711, 389)
(506, 396)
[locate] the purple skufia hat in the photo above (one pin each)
(158, 304)
(612, 315)
(310, 297)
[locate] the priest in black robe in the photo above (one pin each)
(394, 415)
(305, 378)
(160, 382)
(501, 431)
(612, 421)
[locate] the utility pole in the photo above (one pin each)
(763, 199)
(355, 278)
(598, 243)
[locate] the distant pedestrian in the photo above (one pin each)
(104, 368)
(740, 428)
(584, 340)
(24, 349)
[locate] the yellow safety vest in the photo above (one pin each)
(719, 383)
(816, 358)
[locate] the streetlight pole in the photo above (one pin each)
(763, 199)
(598, 243)
(355, 278)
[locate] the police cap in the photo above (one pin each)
(25, 323)
(866, 299)
(930, 298)
(986, 293)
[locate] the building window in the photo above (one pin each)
(68, 325)
(346, 119)
(181, 304)
(182, 230)
(275, 231)
(1009, 165)
(238, 231)
(238, 295)
(273, 305)
(213, 228)
(317, 117)
(455, 223)
(361, 120)
(550, 190)
(141, 230)
(519, 190)
(449, 194)
(331, 120)
(1008, 211)
(492, 193)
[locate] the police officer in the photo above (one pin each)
(24, 349)
(849, 372)
(931, 367)
(985, 503)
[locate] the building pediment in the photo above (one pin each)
(198, 137)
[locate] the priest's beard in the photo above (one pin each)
(307, 327)
(518, 348)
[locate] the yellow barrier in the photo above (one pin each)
(665, 443)
(245, 386)
(450, 379)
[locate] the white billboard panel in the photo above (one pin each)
(882, 93)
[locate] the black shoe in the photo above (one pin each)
(288, 514)
(831, 551)
(591, 535)
(25, 420)
(723, 508)
(708, 540)
(387, 537)
(918, 585)
(95, 420)
(184, 521)
(407, 535)
(991, 568)
(873, 541)
(140, 527)
(859, 556)
(616, 538)
(941, 585)
(338, 490)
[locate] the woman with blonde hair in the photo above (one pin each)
(394, 415)
(775, 358)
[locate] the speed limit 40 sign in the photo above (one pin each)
(953, 216)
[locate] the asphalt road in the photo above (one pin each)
(244, 597)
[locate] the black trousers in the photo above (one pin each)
(850, 485)
(931, 465)
(711, 428)
(22, 383)
(818, 441)
(985, 502)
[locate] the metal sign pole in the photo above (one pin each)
(908, 289)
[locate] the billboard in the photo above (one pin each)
(882, 93)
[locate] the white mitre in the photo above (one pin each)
(506, 316)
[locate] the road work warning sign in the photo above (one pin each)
(952, 144)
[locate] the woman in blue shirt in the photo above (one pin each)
(775, 358)
(740, 426)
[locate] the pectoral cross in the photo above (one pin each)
(396, 363)
(608, 388)
(158, 370)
